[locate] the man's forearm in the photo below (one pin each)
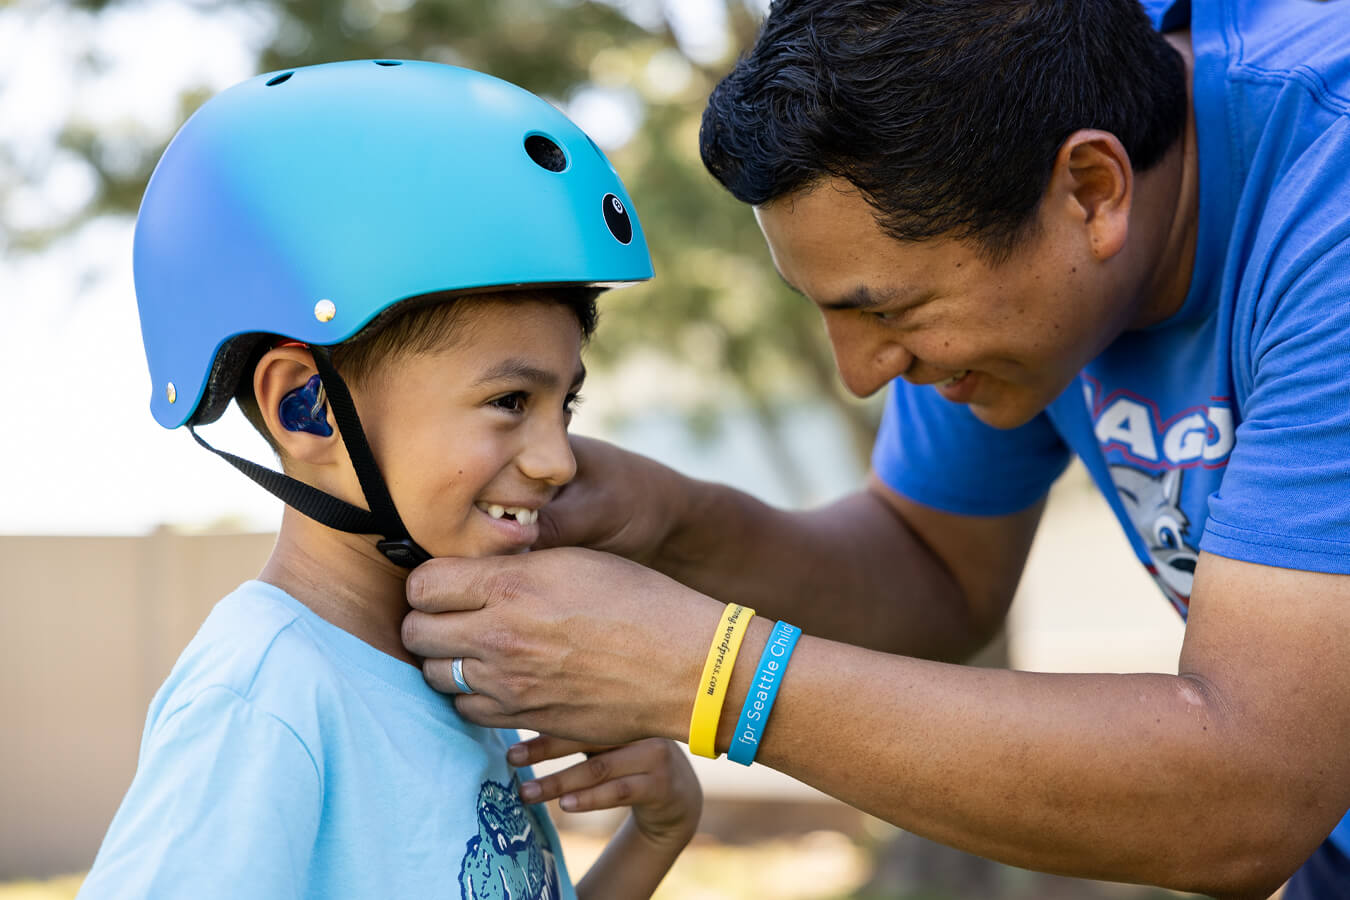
(1141, 778)
(850, 571)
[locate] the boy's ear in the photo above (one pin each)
(280, 372)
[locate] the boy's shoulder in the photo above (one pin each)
(263, 649)
(254, 644)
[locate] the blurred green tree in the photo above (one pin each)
(716, 307)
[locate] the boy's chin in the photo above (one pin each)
(480, 536)
(504, 551)
(479, 551)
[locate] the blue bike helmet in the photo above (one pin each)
(304, 203)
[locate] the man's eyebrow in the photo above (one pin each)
(523, 370)
(860, 298)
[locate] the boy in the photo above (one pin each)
(422, 244)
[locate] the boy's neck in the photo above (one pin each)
(343, 579)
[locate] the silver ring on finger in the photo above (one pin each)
(457, 673)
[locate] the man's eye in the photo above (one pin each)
(512, 402)
(571, 403)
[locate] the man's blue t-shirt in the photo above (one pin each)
(286, 758)
(1225, 428)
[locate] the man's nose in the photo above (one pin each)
(867, 362)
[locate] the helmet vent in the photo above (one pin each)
(388, 62)
(545, 153)
(279, 79)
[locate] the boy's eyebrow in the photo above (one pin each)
(523, 370)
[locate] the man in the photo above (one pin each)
(1017, 215)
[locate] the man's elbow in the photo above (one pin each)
(1256, 878)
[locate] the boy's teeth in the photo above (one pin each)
(521, 514)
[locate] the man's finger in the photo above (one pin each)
(434, 636)
(440, 674)
(566, 521)
(480, 709)
(569, 519)
(550, 531)
(452, 584)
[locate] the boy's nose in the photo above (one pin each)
(547, 457)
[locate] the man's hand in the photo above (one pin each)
(571, 642)
(618, 502)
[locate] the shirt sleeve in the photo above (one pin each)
(1285, 496)
(225, 804)
(937, 453)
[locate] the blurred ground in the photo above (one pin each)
(817, 865)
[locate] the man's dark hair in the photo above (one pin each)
(946, 114)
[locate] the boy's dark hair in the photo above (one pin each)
(946, 114)
(415, 326)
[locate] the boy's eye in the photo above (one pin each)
(512, 402)
(571, 403)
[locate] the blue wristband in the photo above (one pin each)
(755, 712)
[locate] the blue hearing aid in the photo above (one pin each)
(306, 409)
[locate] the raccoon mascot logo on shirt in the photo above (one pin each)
(508, 859)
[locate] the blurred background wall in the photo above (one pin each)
(91, 626)
(117, 536)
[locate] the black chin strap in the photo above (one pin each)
(382, 519)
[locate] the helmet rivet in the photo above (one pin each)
(171, 392)
(324, 310)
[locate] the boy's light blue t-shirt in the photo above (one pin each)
(1225, 428)
(286, 758)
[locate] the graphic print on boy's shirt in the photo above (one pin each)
(507, 859)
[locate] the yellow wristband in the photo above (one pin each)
(712, 689)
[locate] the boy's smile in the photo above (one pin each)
(522, 514)
(515, 524)
(472, 438)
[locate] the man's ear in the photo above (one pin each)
(280, 372)
(1093, 183)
